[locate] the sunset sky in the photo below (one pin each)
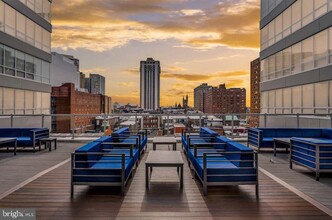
(196, 41)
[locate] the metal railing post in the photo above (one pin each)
(11, 120)
(73, 127)
(104, 123)
(200, 121)
(298, 120)
(167, 123)
(331, 120)
(43, 120)
(136, 127)
(265, 120)
(232, 135)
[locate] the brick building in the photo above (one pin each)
(200, 97)
(220, 100)
(67, 100)
(255, 103)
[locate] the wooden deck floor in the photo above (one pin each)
(50, 196)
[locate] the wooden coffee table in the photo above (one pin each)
(9, 140)
(280, 142)
(164, 141)
(163, 159)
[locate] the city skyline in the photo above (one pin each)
(211, 41)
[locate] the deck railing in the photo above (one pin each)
(94, 125)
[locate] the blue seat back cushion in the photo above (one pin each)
(90, 147)
(327, 133)
(288, 133)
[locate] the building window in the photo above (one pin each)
(307, 54)
(20, 64)
(2, 16)
(308, 99)
(10, 14)
(297, 99)
(9, 61)
(321, 97)
(287, 99)
(320, 49)
(8, 98)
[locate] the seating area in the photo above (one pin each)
(263, 137)
(313, 153)
(108, 161)
(217, 160)
(309, 147)
(25, 137)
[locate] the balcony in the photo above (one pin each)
(41, 180)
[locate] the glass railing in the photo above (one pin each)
(85, 126)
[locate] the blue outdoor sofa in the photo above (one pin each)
(26, 137)
(313, 153)
(104, 163)
(223, 162)
(263, 137)
(125, 136)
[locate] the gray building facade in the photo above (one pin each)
(296, 61)
(150, 84)
(97, 84)
(25, 57)
(64, 70)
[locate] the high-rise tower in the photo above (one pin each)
(150, 84)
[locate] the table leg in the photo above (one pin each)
(146, 176)
(50, 146)
(174, 147)
(181, 177)
(15, 147)
(154, 146)
(55, 144)
(274, 148)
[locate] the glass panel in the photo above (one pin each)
(264, 101)
(8, 99)
(47, 10)
(28, 102)
(30, 31)
(38, 36)
(2, 16)
(39, 7)
(279, 101)
(1, 55)
(286, 17)
(271, 32)
(20, 26)
(31, 4)
(320, 7)
(264, 37)
(38, 67)
(272, 67)
(9, 61)
(296, 58)
(330, 96)
(286, 54)
(46, 41)
(308, 99)
(272, 102)
(29, 67)
(297, 99)
(37, 102)
(1, 100)
(19, 101)
(287, 99)
(296, 16)
(320, 49)
(307, 54)
(279, 65)
(307, 12)
(20, 64)
(330, 43)
(278, 28)
(10, 20)
(321, 97)
(46, 72)
(46, 103)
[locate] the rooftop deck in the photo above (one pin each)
(42, 181)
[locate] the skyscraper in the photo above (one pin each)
(296, 58)
(150, 84)
(25, 57)
(97, 84)
(255, 100)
